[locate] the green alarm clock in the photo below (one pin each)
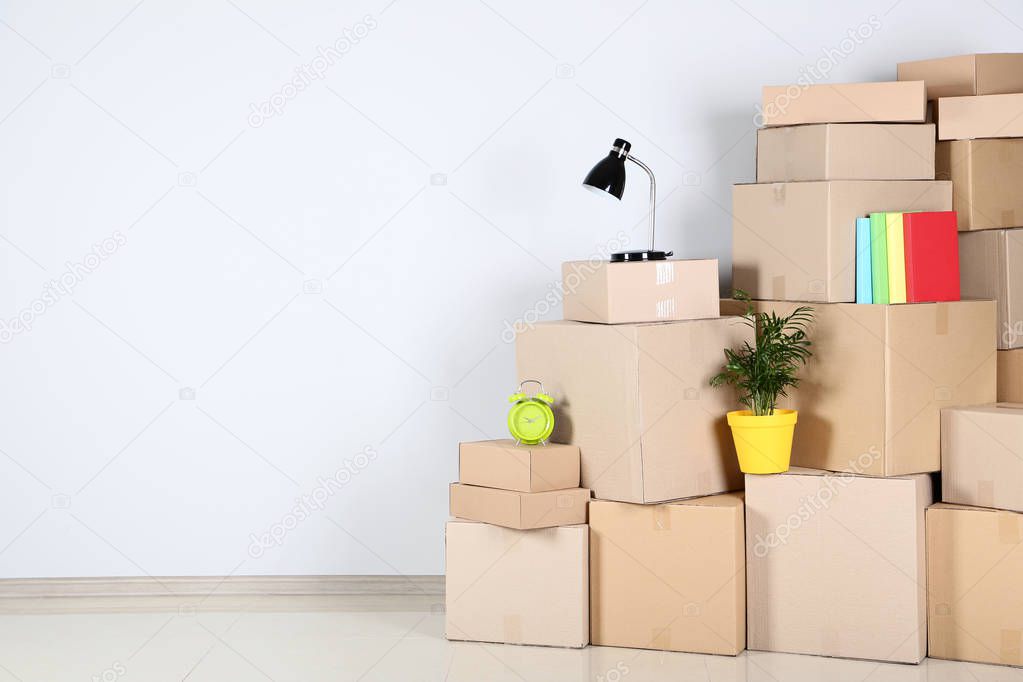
(531, 419)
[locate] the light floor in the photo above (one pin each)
(398, 639)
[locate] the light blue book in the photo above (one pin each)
(864, 284)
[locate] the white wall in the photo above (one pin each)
(278, 294)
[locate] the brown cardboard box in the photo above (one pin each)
(991, 266)
(869, 399)
(982, 456)
(846, 151)
(835, 564)
(635, 399)
(891, 102)
(796, 241)
(968, 74)
(986, 176)
(527, 468)
(1010, 376)
(517, 586)
(651, 291)
(669, 576)
(514, 509)
(966, 118)
(975, 596)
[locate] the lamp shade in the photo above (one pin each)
(609, 173)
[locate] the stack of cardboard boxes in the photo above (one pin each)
(974, 538)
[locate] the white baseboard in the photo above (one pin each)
(190, 594)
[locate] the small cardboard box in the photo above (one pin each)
(636, 400)
(982, 456)
(846, 151)
(527, 468)
(514, 509)
(968, 74)
(669, 576)
(986, 176)
(890, 102)
(869, 399)
(796, 241)
(517, 586)
(967, 118)
(975, 596)
(647, 291)
(835, 564)
(1010, 376)
(991, 266)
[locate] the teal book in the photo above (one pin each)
(864, 285)
(879, 257)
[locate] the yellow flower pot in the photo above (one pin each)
(763, 444)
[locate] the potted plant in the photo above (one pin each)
(762, 372)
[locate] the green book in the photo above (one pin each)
(879, 257)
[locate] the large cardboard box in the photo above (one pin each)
(846, 151)
(514, 509)
(966, 118)
(968, 74)
(835, 564)
(669, 576)
(649, 291)
(869, 399)
(991, 266)
(796, 241)
(1010, 376)
(890, 102)
(517, 586)
(636, 400)
(986, 176)
(982, 456)
(975, 595)
(510, 466)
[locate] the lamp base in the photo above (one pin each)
(634, 256)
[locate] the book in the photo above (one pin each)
(932, 256)
(896, 258)
(879, 257)
(863, 256)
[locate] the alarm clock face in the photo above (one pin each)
(531, 422)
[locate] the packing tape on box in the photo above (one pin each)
(1009, 528)
(666, 307)
(661, 515)
(779, 191)
(512, 628)
(985, 493)
(660, 638)
(1010, 649)
(941, 319)
(665, 272)
(778, 288)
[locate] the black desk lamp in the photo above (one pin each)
(609, 176)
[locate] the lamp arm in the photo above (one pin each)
(653, 194)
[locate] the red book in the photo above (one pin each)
(932, 256)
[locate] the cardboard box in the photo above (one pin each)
(1010, 376)
(796, 241)
(514, 509)
(982, 456)
(527, 468)
(968, 74)
(636, 400)
(846, 151)
(669, 576)
(517, 586)
(966, 118)
(650, 291)
(835, 564)
(975, 596)
(891, 102)
(991, 266)
(869, 399)
(986, 176)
